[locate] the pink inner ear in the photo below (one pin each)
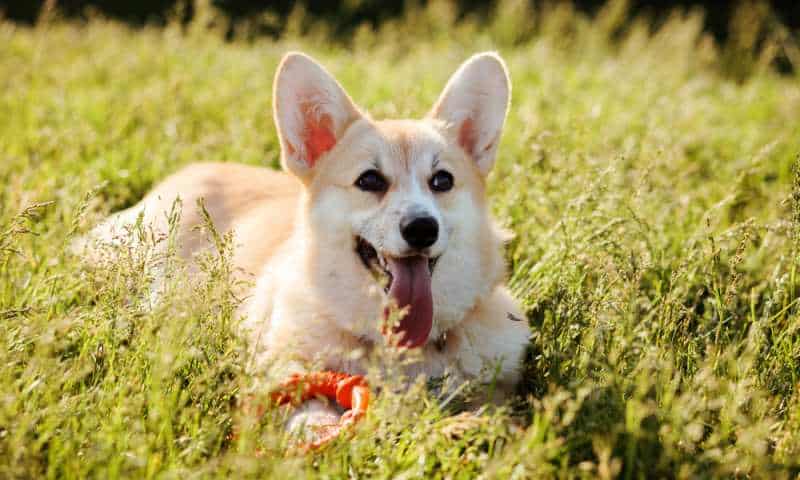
(317, 135)
(466, 136)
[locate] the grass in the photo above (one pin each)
(651, 183)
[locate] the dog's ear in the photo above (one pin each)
(474, 103)
(312, 112)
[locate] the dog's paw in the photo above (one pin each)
(313, 421)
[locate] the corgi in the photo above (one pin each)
(370, 219)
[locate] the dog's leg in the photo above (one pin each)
(313, 420)
(494, 336)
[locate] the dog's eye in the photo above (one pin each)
(372, 181)
(441, 181)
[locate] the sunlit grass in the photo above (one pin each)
(650, 185)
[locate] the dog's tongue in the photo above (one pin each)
(411, 287)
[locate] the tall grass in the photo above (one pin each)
(652, 185)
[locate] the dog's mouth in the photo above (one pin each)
(406, 280)
(379, 266)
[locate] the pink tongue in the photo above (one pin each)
(411, 287)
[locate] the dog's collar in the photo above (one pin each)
(441, 342)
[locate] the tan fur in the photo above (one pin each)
(254, 202)
(314, 302)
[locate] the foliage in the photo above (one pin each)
(654, 197)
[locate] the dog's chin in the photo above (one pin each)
(377, 264)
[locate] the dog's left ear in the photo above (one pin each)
(474, 103)
(312, 112)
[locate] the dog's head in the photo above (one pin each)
(400, 203)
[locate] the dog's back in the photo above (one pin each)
(258, 204)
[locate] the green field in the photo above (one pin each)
(649, 175)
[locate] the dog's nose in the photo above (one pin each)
(420, 232)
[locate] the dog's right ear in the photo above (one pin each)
(312, 112)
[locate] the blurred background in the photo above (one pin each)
(751, 32)
(343, 16)
(748, 29)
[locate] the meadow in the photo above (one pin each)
(651, 176)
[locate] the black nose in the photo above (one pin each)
(420, 232)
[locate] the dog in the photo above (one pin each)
(370, 220)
